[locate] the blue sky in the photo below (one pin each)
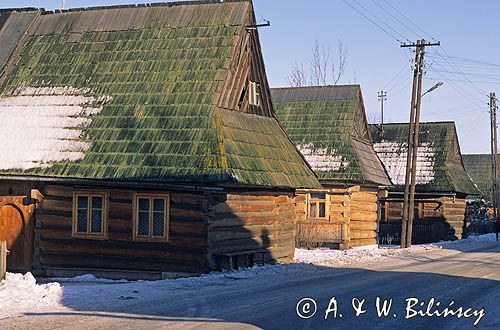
(466, 29)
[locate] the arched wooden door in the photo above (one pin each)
(16, 233)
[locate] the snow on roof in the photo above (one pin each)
(44, 125)
(393, 155)
(322, 159)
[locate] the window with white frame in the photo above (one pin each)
(254, 93)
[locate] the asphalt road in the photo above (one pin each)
(469, 278)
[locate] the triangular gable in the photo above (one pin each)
(328, 125)
(247, 68)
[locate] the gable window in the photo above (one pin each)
(317, 206)
(90, 215)
(151, 217)
(254, 93)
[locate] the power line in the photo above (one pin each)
(463, 59)
(445, 57)
(396, 79)
(483, 75)
(403, 87)
(459, 71)
(379, 19)
(463, 92)
(409, 20)
(396, 19)
(372, 21)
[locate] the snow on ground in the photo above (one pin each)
(330, 257)
(21, 294)
(87, 278)
(472, 240)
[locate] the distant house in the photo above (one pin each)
(441, 184)
(478, 166)
(328, 125)
(142, 138)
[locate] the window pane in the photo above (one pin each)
(144, 204)
(312, 210)
(97, 202)
(158, 224)
(83, 202)
(322, 210)
(143, 223)
(159, 204)
(95, 225)
(318, 195)
(81, 225)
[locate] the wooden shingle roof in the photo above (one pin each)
(328, 125)
(131, 93)
(478, 166)
(439, 163)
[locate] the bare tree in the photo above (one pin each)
(298, 76)
(319, 64)
(373, 117)
(339, 66)
(322, 65)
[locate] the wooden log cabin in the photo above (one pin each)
(141, 140)
(328, 125)
(442, 183)
(480, 207)
(479, 168)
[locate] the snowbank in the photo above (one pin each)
(329, 257)
(372, 253)
(472, 240)
(87, 278)
(19, 293)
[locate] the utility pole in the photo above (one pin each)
(494, 157)
(413, 132)
(382, 96)
(62, 5)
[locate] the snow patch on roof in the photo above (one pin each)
(44, 125)
(393, 155)
(322, 159)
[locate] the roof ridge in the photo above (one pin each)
(141, 5)
(318, 86)
(423, 122)
(8, 10)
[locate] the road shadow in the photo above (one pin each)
(267, 297)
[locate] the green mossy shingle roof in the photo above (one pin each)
(439, 163)
(149, 78)
(478, 167)
(328, 125)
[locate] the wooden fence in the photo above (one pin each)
(3, 260)
(390, 233)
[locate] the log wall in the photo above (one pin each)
(445, 213)
(251, 221)
(454, 212)
(202, 224)
(352, 220)
(186, 250)
(363, 217)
